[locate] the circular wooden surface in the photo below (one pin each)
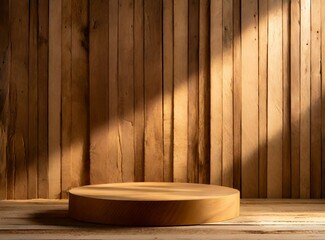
(153, 203)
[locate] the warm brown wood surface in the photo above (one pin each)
(55, 61)
(153, 65)
(295, 98)
(305, 100)
(181, 94)
(139, 122)
(125, 76)
(323, 99)
(114, 163)
(18, 97)
(66, 124)
(42, 90)
(262, 97)
(259, 219)
(4, 94)
(250, 92)
(98, 91)
(168, 86)
(153, 203)
(80, 94)
(216, 91)
(193, 89)
(237, 93)
(203, 164)
(227, 95)
(227, 92)
(274, 101)
(32, 101)
(316, 100)
(286, 163)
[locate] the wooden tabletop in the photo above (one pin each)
(259, 219)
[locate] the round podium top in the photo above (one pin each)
(153, 191)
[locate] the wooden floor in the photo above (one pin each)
(259, 219)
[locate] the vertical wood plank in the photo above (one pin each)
(295, 97)
(262, 97)
(286, 164)
(79, 91)
(275, 98)
(204, 85)
(3, 155)
(43, 54)
(316, 101)
(139, 90)
(10, 166)
(98, 90)
(66, 99)
(216, 106)
(19, 96)
(153, 91)
(250, 99)
(126, 85)
(32, 102)
(227, 131)
(180, 90)
(55, 8)
(237, 94)
(193, 91)
(305, 100)
(4, 93)
(168, 78)
(114, 147)
(323, 95)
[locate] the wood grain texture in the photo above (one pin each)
(315, 101)
(262, 96)
(286, 154)
(80, 94)
(236, 82)
(114, 164)
(98, 90)
(55, 17)
(237, 94)
(168, 86)
(32, 102)
(193, 91)
(250, 99)
(4, 93)
(305, 100)
(139, 90)
(216, 106)
(160, 204)
(323, 95)
(227, 94)
(262, 219)
(180, 90)
(19, 97)
(275, 98)
(126, 88)
(66, 99)
(43, 37)
(204, 97)
(153, 91)
(295, 97)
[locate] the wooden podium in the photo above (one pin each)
(153, 203)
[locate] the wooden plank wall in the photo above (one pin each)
(226, 92)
